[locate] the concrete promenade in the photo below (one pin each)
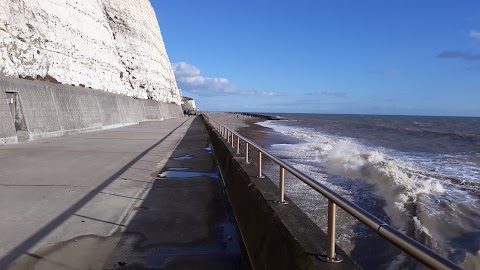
(140, 197)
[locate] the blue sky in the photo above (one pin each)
(313, 56)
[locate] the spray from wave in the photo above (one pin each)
(399, 183)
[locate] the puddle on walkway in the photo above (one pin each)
(183, 174)
(185, 157)
(178, 168)
(208, 148)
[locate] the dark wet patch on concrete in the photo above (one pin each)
(208, 148)
(178, 168)
(183, 174)
(228, 232)
(184, 157)
(223, 253)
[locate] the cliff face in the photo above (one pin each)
(111, 45)
(188, 105)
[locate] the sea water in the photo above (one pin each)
(419, 174)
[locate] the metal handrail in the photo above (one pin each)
(410, 246)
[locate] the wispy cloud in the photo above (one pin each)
(327, 93)
(475, 35)
(190, 79)
(304, 103)
(386, 72)
(465, 55)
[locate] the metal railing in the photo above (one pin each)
(402, 241)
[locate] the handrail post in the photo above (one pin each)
(246, 153)
(331, 256)
(260, 165)
(238, 145)
(281, 187)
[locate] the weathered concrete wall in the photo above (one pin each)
(174, 109)
(7, 126)
(46, 109)
(276, 236)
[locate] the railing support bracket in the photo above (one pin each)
(279, 202)
(324, 257)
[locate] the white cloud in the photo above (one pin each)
(475, 35)
(185, 70)
(190, 79)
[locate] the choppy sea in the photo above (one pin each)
(419, 174)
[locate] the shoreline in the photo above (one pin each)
(258, 115)
(247, 126)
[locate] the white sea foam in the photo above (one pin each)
(398, 182)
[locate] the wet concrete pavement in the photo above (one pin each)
(141, 197)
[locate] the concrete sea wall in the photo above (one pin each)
(276, 236)
(31, 110)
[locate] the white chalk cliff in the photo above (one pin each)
(188, 104)
(111, 45)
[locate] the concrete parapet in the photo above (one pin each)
(31, 110)
(276, 236)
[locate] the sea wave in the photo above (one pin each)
(433, 134)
